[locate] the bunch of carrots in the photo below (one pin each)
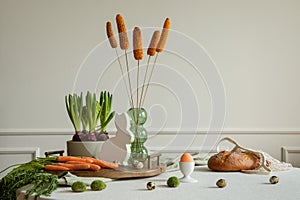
(70, 163)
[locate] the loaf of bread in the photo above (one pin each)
(231, 161)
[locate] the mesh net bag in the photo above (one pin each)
(267, 162)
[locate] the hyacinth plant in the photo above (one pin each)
(106, 115)
(90, 120)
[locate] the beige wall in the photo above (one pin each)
(255, 45)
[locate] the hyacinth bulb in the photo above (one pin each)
(103, 136)
(91, 137)
(76, 137)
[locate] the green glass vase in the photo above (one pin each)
(138, 117)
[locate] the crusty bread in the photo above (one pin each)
(228, 161)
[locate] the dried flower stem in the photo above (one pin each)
(145, 77)
(129, 80)
(150, 52)
(123, 78)
(124, 45)
(137, 84)
(156, 45)
(160, 44)
(138, 55)
(151, 73)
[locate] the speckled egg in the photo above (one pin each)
(150, 185)
(221, 183)
(274, 180)
(137, 164)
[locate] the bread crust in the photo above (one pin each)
(231, 161)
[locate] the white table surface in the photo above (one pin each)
(240, 186)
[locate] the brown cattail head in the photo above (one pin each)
(110, 34)
(164, 36)
(123, 38)
(153, 44)
(137, 44)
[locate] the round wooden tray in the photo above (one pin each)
(123, 172)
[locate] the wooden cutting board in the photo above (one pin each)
(123, 172)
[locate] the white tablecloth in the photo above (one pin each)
(240, 186)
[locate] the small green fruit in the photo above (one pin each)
(78, 186)
(173, 181)
(98, 185)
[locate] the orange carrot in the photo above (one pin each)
(76, 162)
(164, 35)
(76, 165)
(95, 167)
(68, 158)
(56, 168)
(105, 164)
(137, 44)
(88, 159)
(69, 166)
(81, 166)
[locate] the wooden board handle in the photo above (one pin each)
(60, 152)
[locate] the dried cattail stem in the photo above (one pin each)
(159, 48)
(123, 38)
(113, 43)
(137, 44)
(129, 80)
(110, 34)
(138, 55)
(153, 43)
(145, 77)
(150, 52)
(123, 78)
(137, 85)
(124, 45)
(151, 73)
(164, 36)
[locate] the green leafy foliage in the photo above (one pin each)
(90, 117)
(106, 113)
(92, 109)
(74, 107)
(84, 119)
(33, 173)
